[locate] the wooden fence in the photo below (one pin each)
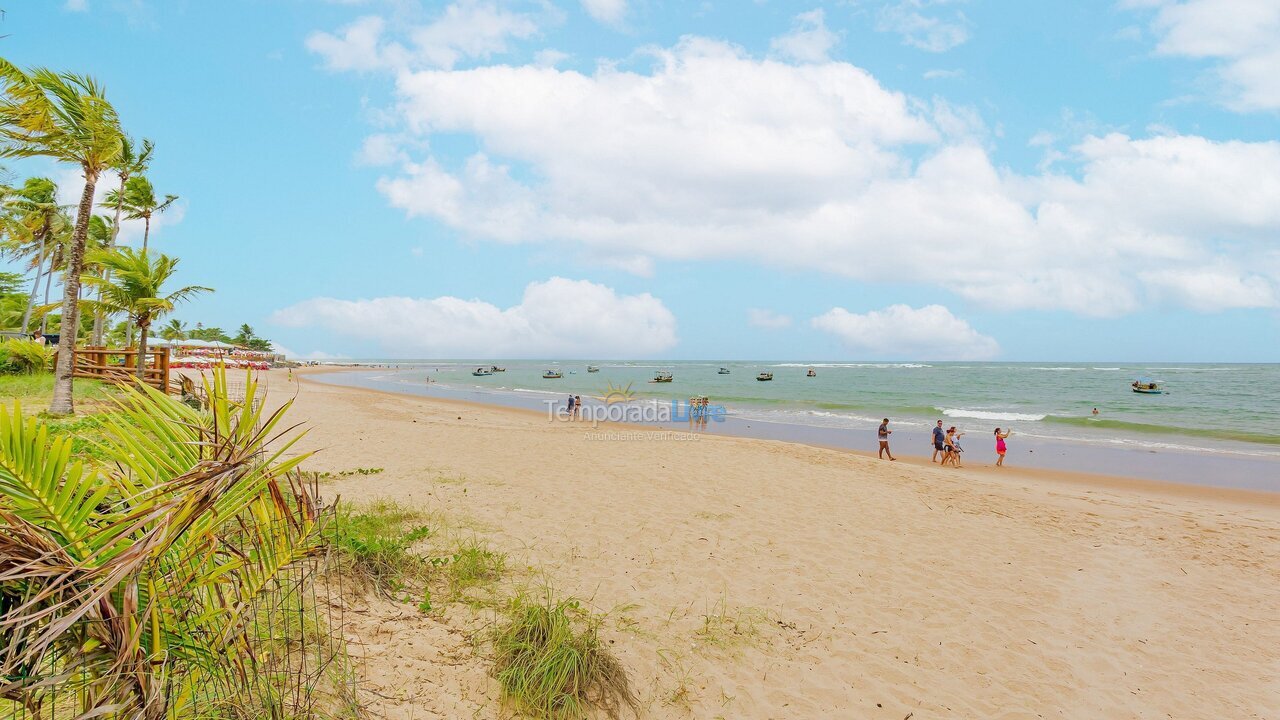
(121, 364)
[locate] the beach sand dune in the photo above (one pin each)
(757, 579)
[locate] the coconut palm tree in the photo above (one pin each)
(133, 160)
(65, 117)
(137, 290)
(32, 217)
(174, 330)
(139, 202)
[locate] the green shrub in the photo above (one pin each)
(551, 664)
(25, 356)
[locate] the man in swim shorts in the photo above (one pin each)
(938, 437)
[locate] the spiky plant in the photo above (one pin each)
(128, 587)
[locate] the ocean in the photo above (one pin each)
(1223, 410)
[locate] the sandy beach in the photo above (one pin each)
(836, 585)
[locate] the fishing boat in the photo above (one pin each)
(552, 375)
(1147, 386)
(662, 376)
(592, 368)
(495, 368)
(811, 373)
(723, 371)
(482, 372)
(764, 376)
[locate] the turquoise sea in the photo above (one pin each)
(1207, 408)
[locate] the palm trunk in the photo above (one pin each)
(64, 371)
(146, 231)
(142, 350)
(48, 283)
(100, 318)
(35, 284)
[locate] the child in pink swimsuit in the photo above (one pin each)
(1000, 446)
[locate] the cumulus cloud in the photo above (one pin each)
(768, 319)
(465, 29)
(556, 318)
(817, 166)
(809, 39)
(76, 5)
(1243, 36)
(609, 12)
(71, 186)
(904, 333)
(921, 24)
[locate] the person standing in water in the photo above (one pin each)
(884, 432)
(1001, 448)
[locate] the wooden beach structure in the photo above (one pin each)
(121, 365)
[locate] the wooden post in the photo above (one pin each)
(164, 369)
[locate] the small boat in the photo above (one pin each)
(1147, 386)
(592, 368)
(662, 376)
(495, 368)
(723, 371)
(811, 373)
(765, 376)
(482, 372)
(552, 375)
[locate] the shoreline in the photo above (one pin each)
(760, 579)
(1181, 472)
(1071, 478)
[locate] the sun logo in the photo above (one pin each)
(617, 393)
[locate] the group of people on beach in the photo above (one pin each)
(575, 407)
(946, 442)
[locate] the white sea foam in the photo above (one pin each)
(991, 415)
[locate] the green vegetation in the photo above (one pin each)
(139, 585)
(373, 546)
(35, 389)
(551, 663)
(25, 357)
(725, 627)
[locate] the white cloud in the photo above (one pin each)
(76, 5)
(808, 41)
(768, 319)
(609, 12)
(817, 166)
(556, 318)
(464, 30)
(943, 74)
(921, 28)
(379, 149)
(1242, 35)
(901, 332)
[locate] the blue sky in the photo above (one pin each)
(882, 179)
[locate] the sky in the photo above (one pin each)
(857, 179)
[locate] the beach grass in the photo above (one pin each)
(35, 390)
(472, 565)
(726, 627)
(374, 545)
(551, 663)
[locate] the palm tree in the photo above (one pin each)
(139, 202)
(65, 117)
(175, 330)
(32, 215)
(131, 161)
(137, 290)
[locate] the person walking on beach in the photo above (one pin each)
(955, 446)
(1001, 448)
(571, 401)
(577, 407)
(884, 432)
(938, 442)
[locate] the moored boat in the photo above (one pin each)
(592, 368)
(495, 368)
(723, 371)
(811, 373)
(482, 372)
(764, 376)
(552, 375)
(1147, 386)
(662, 376)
